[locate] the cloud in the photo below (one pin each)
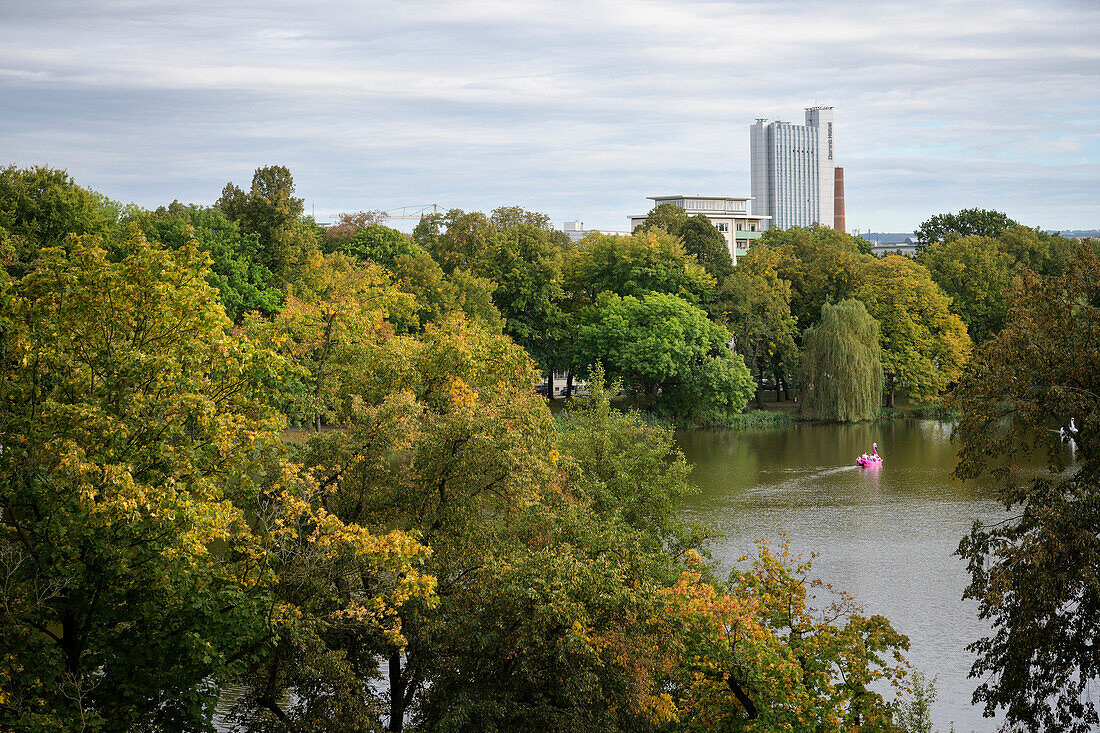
(565, 107)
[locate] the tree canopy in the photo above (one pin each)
(980, 222)
(841, 365)
(1034, 574)
(924, 344)
(666, 350)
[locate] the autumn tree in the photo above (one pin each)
(842, 365)
(758, 655)
(133, 424)
(445, 439)
(924, 344)
(1034, 573)
(330, 317)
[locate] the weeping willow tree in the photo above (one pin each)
(841, 365)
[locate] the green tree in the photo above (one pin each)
(981, 222)
(245, 286)
(924, 344)
(133, 424)
(976, 273)
(667, 216)
(821, 264)
(651, 261)
(381, 244)
(338, 235)
(756, 305)
(564, 630)
(1045, 254)
(1034, 573)
(269, 210)
(40, 207)
(842, 365)
(667, 351)
(520, 253)
(703, 240)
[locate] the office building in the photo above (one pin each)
(730, 215)
(792, 169)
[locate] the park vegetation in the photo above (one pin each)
(429, 548)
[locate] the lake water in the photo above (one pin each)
(885, 535)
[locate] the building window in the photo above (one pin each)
(723, 226)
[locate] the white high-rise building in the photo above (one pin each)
(792, 169)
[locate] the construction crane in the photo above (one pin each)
(412, 212)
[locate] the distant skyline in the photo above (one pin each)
(575, 109)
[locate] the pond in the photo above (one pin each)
(886, 535)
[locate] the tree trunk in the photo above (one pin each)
(397, 694)
(760, 393)
(890, 394)
(569, 383)
(550, 384)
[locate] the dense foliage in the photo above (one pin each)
(433, 548)
(841, 368)
(1035, 575)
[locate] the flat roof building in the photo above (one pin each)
(729, 214)
(792, 169)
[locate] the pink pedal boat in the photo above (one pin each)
(870, 461)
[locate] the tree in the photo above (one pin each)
(132, 428)
(381, 244)
(976, 273)
(757, 656)
(982, 222)
(447, 440)
(667, 351)
(336, 311)
(1045, 254)
(841, 365)
(703, 240)
(667, 216)
(520, 253)
(647, 262)
(346, 227)
(924, 344)
(1034, 573)
(40, 207)
(271, 212)
(821, 264)
(563, 630)
(756, 305)
(245, 286)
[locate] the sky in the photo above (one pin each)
(579, 110)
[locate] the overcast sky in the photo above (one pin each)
(576, 109)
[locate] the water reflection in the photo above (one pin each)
(886, 534)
